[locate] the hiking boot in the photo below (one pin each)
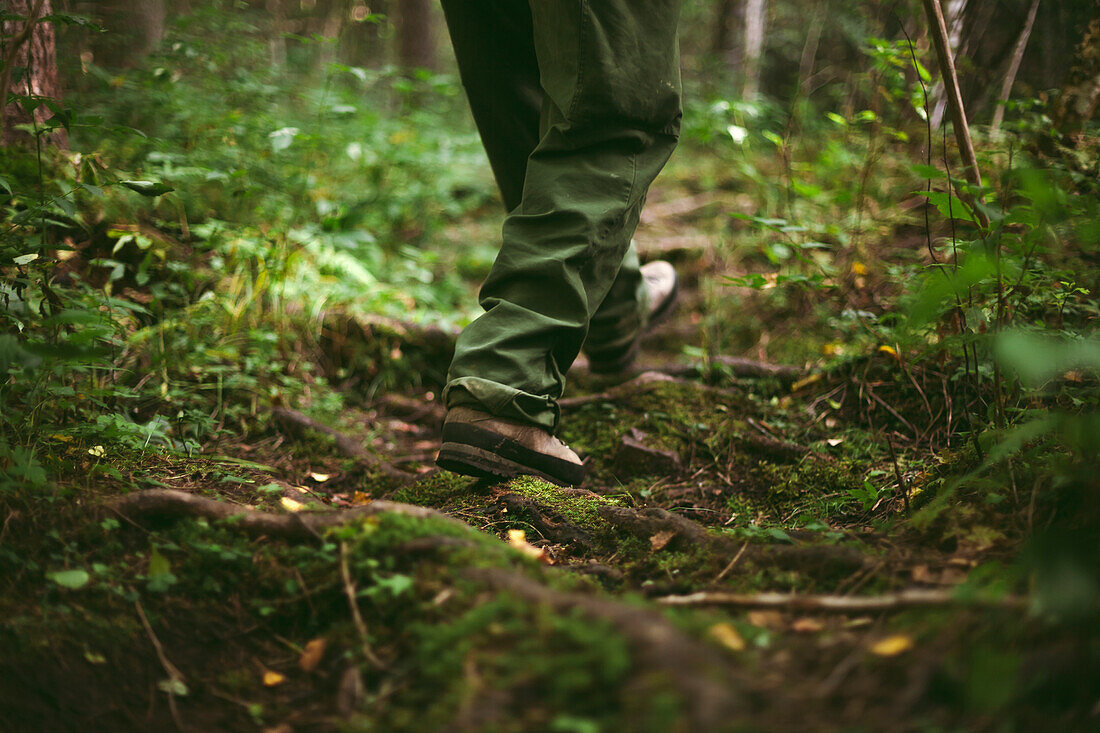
(662, 285)
(477, 444)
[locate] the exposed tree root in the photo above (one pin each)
(708, 682)
(913, 598)
(297, 423)
(695, 669)
(740, 366)
(170, 503)
(549, 522)
(823, 559)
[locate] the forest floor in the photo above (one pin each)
(741, 557)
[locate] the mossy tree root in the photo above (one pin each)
(298, 424)
(172, 504)
(550, 523)
(708, 684)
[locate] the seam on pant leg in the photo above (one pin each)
(577, 85)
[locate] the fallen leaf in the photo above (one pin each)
(320, 477)
(807, 625)
(806, 381)
(834, 442)
(360, 498)
(173, 686)
(71, 579)
(888, 350)
(660, 540)
(858, 268)
(766, 619)
(517, 538)
(97, 451)
(921, 574)
(892, 646)
(312, 654)
(727, 636)
(273, 678)
(290, 505)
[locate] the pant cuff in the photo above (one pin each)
(500, 400)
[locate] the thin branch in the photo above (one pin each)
(353, 602)
(170, 669)
(913, 598)
(1014, 67)
(954, 98)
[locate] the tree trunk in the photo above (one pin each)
(415, 39)
(1014, 67)
(30, 69)
(953, 11)
(756, 15)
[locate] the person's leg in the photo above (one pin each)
(610, 119)
(494, 45)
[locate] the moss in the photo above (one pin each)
(442, 490)
(579, 510)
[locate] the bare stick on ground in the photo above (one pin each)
(174, 675)
(353, 603)
(913, 598)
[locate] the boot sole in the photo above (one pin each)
(472, 451)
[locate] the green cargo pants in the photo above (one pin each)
(578, 105)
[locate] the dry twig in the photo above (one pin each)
(913, 598)
(356, 616)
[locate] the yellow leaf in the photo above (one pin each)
(273, 678)
(806, 381)
(290, 505)
(312, 654)
(892, 646)
(62, 438)
(517, 538)
(766, 619)
(807, 625)
(888, 350)
(727, 636)
(661, 539)
(320, 477)
(360, 498)
(97, 451)
(858, 268)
